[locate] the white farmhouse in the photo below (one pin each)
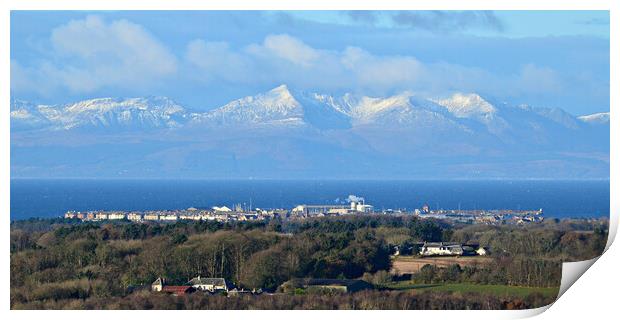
(441, 249)
(157, 285)
(209, 284)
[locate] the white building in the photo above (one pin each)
(360, 206)
(190, 217)
(116, 216)
(151, 216)
(157, 285)
(168, 217)
(70, 215)
(441, 249)
(101, 216)
(209, 284)
(134, 216)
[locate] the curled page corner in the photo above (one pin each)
(571, 271)
(613, 229)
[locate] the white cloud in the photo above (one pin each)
(291, 49)
(20, 79)
(91, 53)
(381, 72)
(217, 61)
(285, 59)
(534, 79)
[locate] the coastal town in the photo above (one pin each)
(356, 206)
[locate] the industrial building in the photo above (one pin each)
(357, 206)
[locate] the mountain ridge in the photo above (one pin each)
(279, 106)
(289, 133)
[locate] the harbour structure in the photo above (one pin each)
(355, 206)
(317, 210)
(360, 206)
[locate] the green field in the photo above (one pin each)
(499, 290)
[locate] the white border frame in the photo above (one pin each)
(596, 297)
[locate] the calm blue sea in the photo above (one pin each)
(50, 198)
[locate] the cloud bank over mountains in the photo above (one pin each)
(288, 133)
(99, 55)
(102, 54)
(109, 54)
(394, 95)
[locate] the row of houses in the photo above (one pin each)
(489, 217)
(221, 214)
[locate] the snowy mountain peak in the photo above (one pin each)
(596, 118)
(125, 114)
(275, 106)
(281, 89)
(102, 105)
(368, 107)
(467, 105)
(279, 97)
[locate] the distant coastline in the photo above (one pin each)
(54, 197)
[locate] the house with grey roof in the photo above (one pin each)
(441, 249)
(209, 284)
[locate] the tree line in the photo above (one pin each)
(56, 260)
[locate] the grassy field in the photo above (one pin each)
(499, 290)
(411, 264)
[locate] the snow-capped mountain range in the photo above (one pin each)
(280, 106)
(285, 132)
(138, 113)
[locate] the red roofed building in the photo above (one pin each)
(178, 290)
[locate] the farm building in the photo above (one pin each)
(209, 284)
(441, 249)
(157, 285)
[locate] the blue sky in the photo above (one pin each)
(204, 59)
